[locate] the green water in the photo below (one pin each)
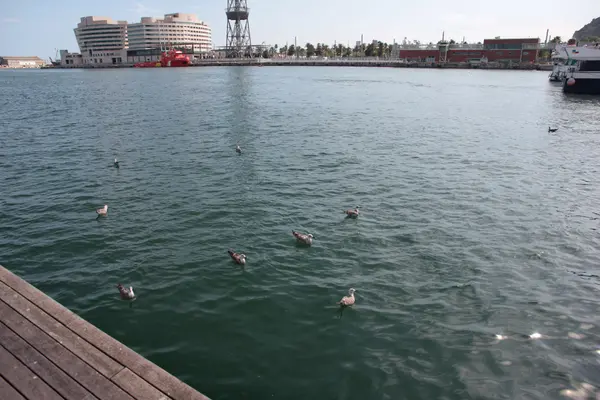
(475, 221)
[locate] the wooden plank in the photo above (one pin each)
(25, 381)
(145, 369)
(87, 376)
(148, 371)
(137, 387)
(8, 392)
(42, 367)
(36, 296)
(91, 355)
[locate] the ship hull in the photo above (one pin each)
(583, 86)
(587, 82)
(170, 59)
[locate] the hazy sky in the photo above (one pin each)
(37, 27)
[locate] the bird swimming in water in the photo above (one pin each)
(303, 238)
(352, 213)
(126, 294)
(533, 336)
(116, 163)
(238, 149)
(552, 129)
(102, 212)
(347, 301)
(237, 257)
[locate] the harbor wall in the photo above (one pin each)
(338, 63)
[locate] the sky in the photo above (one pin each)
(38, 27)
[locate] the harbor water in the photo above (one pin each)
(476, 221)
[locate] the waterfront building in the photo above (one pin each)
(102, 40)
(183, 31)
(105, 42)
(491, 50)
(74, 59)
(21, 62)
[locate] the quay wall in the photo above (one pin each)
(336, 63)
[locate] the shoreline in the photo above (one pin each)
(331, 63)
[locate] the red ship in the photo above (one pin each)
(171, 58)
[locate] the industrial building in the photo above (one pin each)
(21, 62)
(491, 50)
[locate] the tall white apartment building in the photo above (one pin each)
(178, 29)
(102, 40)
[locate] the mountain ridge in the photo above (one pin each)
(591, 29)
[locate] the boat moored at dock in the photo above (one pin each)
(170, 58)
(559, 65)
(583, 70)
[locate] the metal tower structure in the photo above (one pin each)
(238, 43)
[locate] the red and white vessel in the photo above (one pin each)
(170, 58)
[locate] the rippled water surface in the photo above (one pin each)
(475, 221)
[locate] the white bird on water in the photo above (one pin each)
(126, 294)
(238, 149)
(102, 211)
(116, 163)
(303, 238)
(348, 301)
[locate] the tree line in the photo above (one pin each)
(373, 49)
(378, 49)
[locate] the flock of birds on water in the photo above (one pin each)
(127, 293)
(240, 258)
(302, 238)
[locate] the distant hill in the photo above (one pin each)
(588, 31)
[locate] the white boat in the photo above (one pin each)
(559, 67)
(583, 69)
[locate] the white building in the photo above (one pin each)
(178, 29)
(21, 62)
(102, 40)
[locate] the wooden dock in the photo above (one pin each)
(49, 353)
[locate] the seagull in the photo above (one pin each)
(347, 301)
(116, 163)
(238, 149)
(303, 238)
(126, 294)
(102, 211)
(238, 258)
(552, 129)
(352, 213)
(533, 336)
